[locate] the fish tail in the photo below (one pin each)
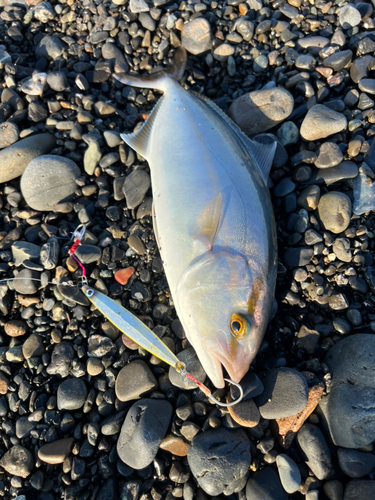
(160, 81)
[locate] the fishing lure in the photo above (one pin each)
(137, 331)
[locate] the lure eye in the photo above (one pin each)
(239, 326)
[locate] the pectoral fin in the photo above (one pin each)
(208, 222)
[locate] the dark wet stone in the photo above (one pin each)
(219, 459)
(61, 360)
(284, 187)
(285, 393)
(49, 47)
(251, 385)
(290, 475)
(134, 381)
(135, 187)
(360, 68)
(360, 489)
(330, 155)
(88, 253)
(144, 428)
(71, 394)
(24, 426)
(33, 346)
(27, 282)
(355, 464)
(345, 413)
(296, 257)
(72, 292)
(112, 424)
(193, 366)
(367, 85)
(315, 451)
(338, 60)
(265, 485)
(345, 170)
(57, 81)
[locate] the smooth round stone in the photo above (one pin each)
(114, 55)
(258, 111)
(92, 157)
(196, 36)
(338, 302)
(15, 328)
(49, 47)
(61, 360)
(9, 134)
(175, 445)
(122, 276)
(315, 451)
(367, 85)
(245, 28)
(360, 68)
(330, 155)
(360, 489)
(328, 176)
(73, 293)
(342, 326)
(285, 393)
(15, 158)
(112, 424)
(297, 257)
(338, 60)
(57, 81)
(193, 366)
(288, 133)
(260, 64)
(71, 394)
(134, 381)
(341, 248)
(307, 339)
(27, 282)
(23, 250)
(223, 51)
(335, 211)
(251, 385)
(220, 459)
(289, 473)
(33, 346)
(265, 485)
(349, 16)
(284, 187)
(88, 254)
(137, 6)
(145, 426)
(94, 367)
(309, 197)
(321, 122)
(244, 413)
(313, 43)
(135, 187)
(56, 452)
(18, 461)
(350, 422)
(49, 180)
(23, 427)
(355, 464)
(305, 61)
(333, 489)
(354, 316)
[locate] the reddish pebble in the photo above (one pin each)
(123, 275)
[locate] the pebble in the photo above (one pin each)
(122, 276)
(307, 339)
(360, 489)
(364, 194)
(112, 424)
(320, 122)
(258, 111)
(245, 413)
(49, 180)
(94, 367)
(145, 426)
(15, 328)
(26, 282)
(135, 187)
(351, 363)
(328, 176)
(61, 360)
(193, 366)
(355, 464)
(9, 134)
(335, 211)
(289, 473)
(341, 248)
(134, 381)
(33, 346)
(18, 461)
(330, 155)
(71, 394)
(92, 157)
(23, 250)
(196, 36)
(15, 158)
(175, 445)
(296, 257)
(265, 484)
(349, 16)
(49, 47)
(88, 254)
(285, 393)
(219, 459)
(56, 452)
(309, 198)
(315, 450)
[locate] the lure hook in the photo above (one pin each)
(238, 400)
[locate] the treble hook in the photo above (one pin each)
(181, 368)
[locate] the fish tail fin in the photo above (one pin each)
(160, 81)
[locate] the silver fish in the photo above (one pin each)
(213, 221)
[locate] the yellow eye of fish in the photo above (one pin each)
(239, 326)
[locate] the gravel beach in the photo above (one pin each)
(86, 414)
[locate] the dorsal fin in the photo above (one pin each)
(140, 140)
(262, 153)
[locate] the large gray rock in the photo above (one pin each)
(196, 36)
(220, 460)
(145, 426)
(49, 180)
(261, 110)
(14, 158)
(348, 411)
(315, 451)
(321, 122)
(335, 211)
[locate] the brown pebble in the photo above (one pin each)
(56, 452)
(175, 445)
(4, 383)
(245, 413)
(129, 343)
(28, 301)
(15, 328)
(94, 366)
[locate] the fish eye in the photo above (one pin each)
(239, 326)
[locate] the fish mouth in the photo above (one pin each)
(232, 357)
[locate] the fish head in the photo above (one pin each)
(223, 304)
